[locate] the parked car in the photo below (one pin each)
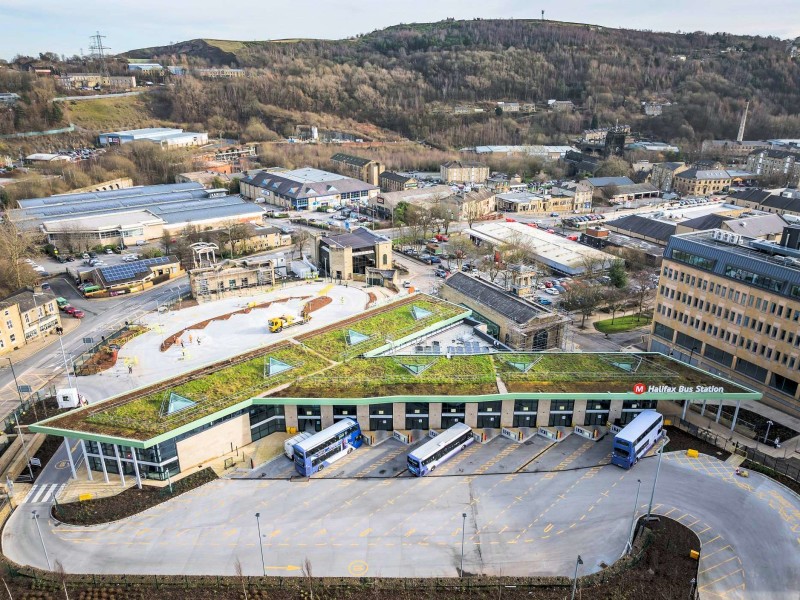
(552, 291)
(85, 256)
(92, 254)
(78, 313)
(548, 284)
(553, 214)
(109, 251)
(545, 301)
(69, 309)
(406, 284)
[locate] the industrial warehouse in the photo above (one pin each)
(131, 215)
(413, 365)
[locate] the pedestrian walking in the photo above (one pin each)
(182, 346)
(190, 338)
(130, 369)
(198, 340)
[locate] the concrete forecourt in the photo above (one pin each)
(535, 497)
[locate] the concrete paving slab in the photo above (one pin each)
(518, 524)
(219, 340)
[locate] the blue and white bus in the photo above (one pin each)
(326, 447)
(424, 459)
(636, 438)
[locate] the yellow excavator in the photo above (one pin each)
(278, 324)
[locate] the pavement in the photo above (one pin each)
(219, 339)
(46, 367)
(523, 523)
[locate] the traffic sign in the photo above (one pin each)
(88, 340)
(25, 389)
(35, 462)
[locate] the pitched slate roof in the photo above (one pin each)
(712, 221)
(703, 174)
(651, 228)
(356, 161)
(295, 184)
(781, 203)
(486, 294)
(753, 195)
(395, 177)
(604, 181)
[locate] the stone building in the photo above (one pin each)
(458, 171)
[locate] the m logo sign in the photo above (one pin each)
(639, 388)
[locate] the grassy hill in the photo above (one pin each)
(108, 114)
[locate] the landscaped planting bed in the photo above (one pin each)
(141, 418)
(587, 372)
(385, 376)
(393, 324)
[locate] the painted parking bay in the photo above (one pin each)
(518, 524)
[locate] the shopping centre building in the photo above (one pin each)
(403, 368)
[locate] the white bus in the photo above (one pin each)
(636, 438)
(326, 447)
(288, 445)
(425, 459)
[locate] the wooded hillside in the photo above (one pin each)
(408, 78)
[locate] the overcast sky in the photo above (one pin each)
(64, 26)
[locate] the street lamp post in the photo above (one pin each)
(25, 448)
(64, 355)
(169, 480)
(260, 544)
(655, 481)
(766, 435)
(463, 531)
(691, 353)
(629, 545)
(41, 539)
(575, 579)
(16, 383)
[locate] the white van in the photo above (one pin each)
(288, 445)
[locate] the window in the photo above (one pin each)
(783, 384)
(663, 331)
(717, 355)
(752, 278)
(12, 337)
(750, 370)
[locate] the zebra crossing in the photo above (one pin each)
(44, 493)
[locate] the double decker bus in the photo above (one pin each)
(434, 452)
(326, 447)
(636, 438)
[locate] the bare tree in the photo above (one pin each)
(16, 245)
(582, 298)
(299, 240)
(614, 299)
(62, 577)
(642, 291)
(309, 576)
(237, 567)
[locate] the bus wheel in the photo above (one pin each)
(463, 447)
(349, 450)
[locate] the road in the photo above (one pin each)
(102, 317)
(518, 524)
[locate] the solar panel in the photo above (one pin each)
(132, 270)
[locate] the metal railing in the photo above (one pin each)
(783, 466)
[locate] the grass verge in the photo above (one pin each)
(624, 323)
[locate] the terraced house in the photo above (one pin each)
(416, 364)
